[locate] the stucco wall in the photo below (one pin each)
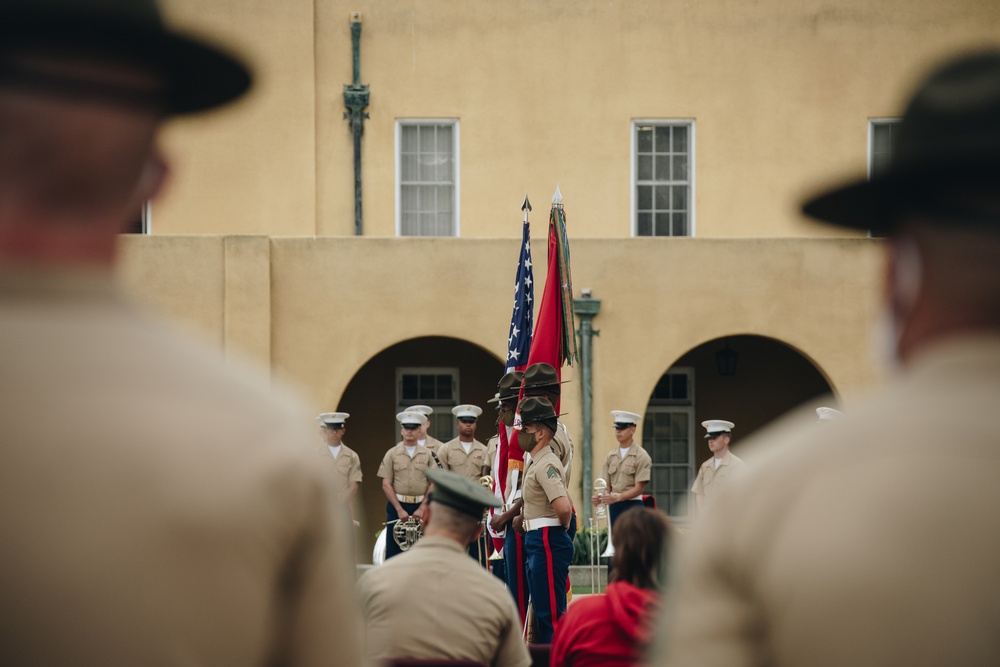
(317, 310)
(545, 91)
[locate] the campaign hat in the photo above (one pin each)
(509, 387)
(945, 151)
(197, 74)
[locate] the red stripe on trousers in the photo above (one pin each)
(522, 603)
(551, 575)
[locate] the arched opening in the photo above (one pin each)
(434, 370)
(748, 380)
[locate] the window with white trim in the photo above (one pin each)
(668, 437)
(434, 387)
(427, 178)
(663, 178)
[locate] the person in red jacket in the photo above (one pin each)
(613, 629)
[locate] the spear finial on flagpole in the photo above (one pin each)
(557, 197)
(526, 206)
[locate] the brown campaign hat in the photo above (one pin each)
(509, 387)
(536, 409)
(947, 142)
(537, 376)
(197, 75)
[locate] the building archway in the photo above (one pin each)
(433, 370)
(746, 379)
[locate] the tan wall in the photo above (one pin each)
(317, 310)
(249, 168)
(545, 92)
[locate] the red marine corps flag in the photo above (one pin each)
(554, 339)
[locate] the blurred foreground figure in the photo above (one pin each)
(433, 601)
(613, 629)
(156, 506)
(882, 547)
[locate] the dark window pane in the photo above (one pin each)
(644, 139)
(645, 226)
(680, 167)
(662, 171)
(680, 139)
(645, 170)
(678, 385)
(410, 387)
(662, 224)
(644, 195)
(426, 391)
(662, 142)
(443, 387)
(679, 197)
(662, 197)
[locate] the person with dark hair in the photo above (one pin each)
(877, 545)
(545, 517)
(613, 629)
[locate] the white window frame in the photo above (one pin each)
(633, 175)
(402, 403)
(456, 148)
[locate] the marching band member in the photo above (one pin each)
(403, 480)
(468, 457)
(626, 470)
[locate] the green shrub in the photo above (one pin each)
(582, 545)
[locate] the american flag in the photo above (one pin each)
(522, 319)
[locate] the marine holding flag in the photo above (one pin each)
(508, 459)
(553, 343)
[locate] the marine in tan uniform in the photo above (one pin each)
(464, 454)
(626, 468)
(426, 440)
(158, 505)
(546, 517)
(403, 480)
(469, 458)
(542, 380)
(716, 472)
(433, 602)
(347, 464)
(872, 541)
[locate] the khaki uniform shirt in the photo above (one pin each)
(868, 541)
(473, 465)
(433, 444)
(711, 479)
(433, 601)
(543, 483)
(623, 474)
(405, 474)
(492, 445)
(158, 505)
(562, 445)
(347, 466)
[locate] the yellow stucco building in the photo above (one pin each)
(682, 135)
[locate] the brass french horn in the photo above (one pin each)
(406, 533)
